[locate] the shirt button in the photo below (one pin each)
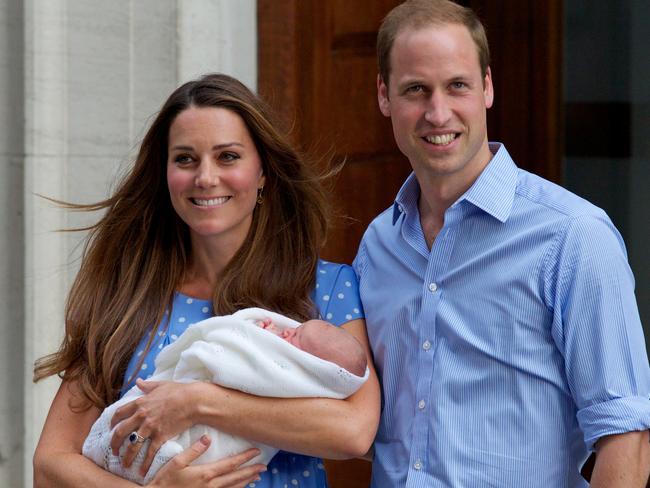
(426, 346)
(422, 404)
(418, 464)
(433, 287)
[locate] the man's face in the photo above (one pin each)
(437, 100)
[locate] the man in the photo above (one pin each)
(500, 307)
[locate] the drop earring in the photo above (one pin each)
(260, 200)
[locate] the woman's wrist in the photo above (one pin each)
(204, 403)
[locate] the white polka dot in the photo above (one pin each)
(348, 284)
(320, 466)
(326, 298)
(294, 482)
(148, 376)
(306, 473)
(189, 301)
(181, 319)
(251, 485)
(205, 310)
(329, 316)
(160, 333)
(317, 285)
(144, 366)
(348, 316)
(274, 471)
(341, 296)
(355, 310)
(140, 353)
(174, 337)
(322, 271)
(160, 346)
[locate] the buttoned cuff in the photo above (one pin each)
(614, 417)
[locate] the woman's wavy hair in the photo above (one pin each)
(136, 255)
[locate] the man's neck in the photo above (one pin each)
(438, 193)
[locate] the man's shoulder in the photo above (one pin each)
(384, 218)
(380, 225)
(552, 197)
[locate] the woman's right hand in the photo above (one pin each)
(225, 473)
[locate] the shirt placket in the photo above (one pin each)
(432, 294)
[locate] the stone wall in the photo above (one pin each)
(79, 80)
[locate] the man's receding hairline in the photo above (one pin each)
(420, 24)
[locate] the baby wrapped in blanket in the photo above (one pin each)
(255, 351)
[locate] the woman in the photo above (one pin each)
(219, 213)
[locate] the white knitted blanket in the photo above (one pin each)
(230, 351)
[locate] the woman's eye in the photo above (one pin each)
(182, 159)
(228, 156)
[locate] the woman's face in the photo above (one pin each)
(213, 174)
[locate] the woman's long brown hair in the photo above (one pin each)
(137, 253)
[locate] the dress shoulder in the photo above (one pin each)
(336, 293)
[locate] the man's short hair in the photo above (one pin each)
(417, 14)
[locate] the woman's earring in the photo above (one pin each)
(260, 200)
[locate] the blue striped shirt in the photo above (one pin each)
(511, 346)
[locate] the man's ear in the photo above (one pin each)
(382, 97)
(488, 89)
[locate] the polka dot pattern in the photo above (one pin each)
(336, 295)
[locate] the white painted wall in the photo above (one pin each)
(79, 79)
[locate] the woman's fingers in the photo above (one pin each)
(226, 473)
(125, 411)
(152, 449)
(231, 463)
(122, 432)
(229, 473)
(147, 386)
(132, 449)
(239, 478)
(186, 457)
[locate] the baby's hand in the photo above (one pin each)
(267, 324)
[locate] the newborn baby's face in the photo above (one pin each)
(306, 336)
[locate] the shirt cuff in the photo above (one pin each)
(614, 417)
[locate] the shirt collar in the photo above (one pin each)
(493, 191)
(407, 197)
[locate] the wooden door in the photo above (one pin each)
(317, 67)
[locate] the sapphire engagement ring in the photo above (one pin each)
(135, 438)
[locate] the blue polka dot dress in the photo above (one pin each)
(337, 297)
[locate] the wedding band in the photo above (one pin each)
(135, 438)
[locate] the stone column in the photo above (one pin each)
(94, 73)
(11, 243)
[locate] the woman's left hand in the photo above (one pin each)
(164, 411)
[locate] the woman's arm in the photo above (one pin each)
(58, 461)
(336, 429)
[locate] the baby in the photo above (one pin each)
(255, 351)
(325, 341)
